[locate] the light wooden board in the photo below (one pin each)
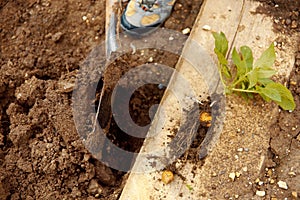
(241, 27)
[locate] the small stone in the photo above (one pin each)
(171, 38)
(270, 172)
(282, 185)
(150, 59)
(294, 24)
(236, 196)
(273, 198)
(292, 173)
(206, 28)
(232, 176)
(237, 174)
(245, 169)
(84, 18)
(240, 149)
(260, 183)
(186, 31)
(257, 180)
(272, 181)
(214, 174)
(294, 195)
(57, 36)
(94, 187)
(288, 21)
(260, 193)
(167, 177)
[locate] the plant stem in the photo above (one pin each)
(221, 75)
(241, 90)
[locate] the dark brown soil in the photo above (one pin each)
(42, 44)
(286, 15)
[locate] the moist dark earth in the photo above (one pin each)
(42, 45)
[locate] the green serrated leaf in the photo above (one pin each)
(267, 58)
(287, 100)
(270, 92)
(221, 43)
(247, 57)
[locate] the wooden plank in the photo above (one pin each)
(133, 189)
(234, 18)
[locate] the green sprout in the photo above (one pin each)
(246, 77)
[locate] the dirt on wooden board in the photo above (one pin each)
(42, 45)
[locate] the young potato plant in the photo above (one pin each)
(247, 77)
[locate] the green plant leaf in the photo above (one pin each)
(253, 78)
(221, 58)
(265, 81)
(265, 73)
(271, 92)
(221, 43)
(287, 100)
(241, 66)
(267, 58)
(267, 99)
(223, 64)
(247, 57)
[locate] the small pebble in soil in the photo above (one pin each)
(293, 174)
(260, 183)
(245, 169)
(186, 31)
(167, 177)
(150, 59)
(206, 28)
(161, 86)
(171, 38)
(232, 176)
(282, 185)
(294, 194)
(294, 24)
(260, 193)
(57, 36)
